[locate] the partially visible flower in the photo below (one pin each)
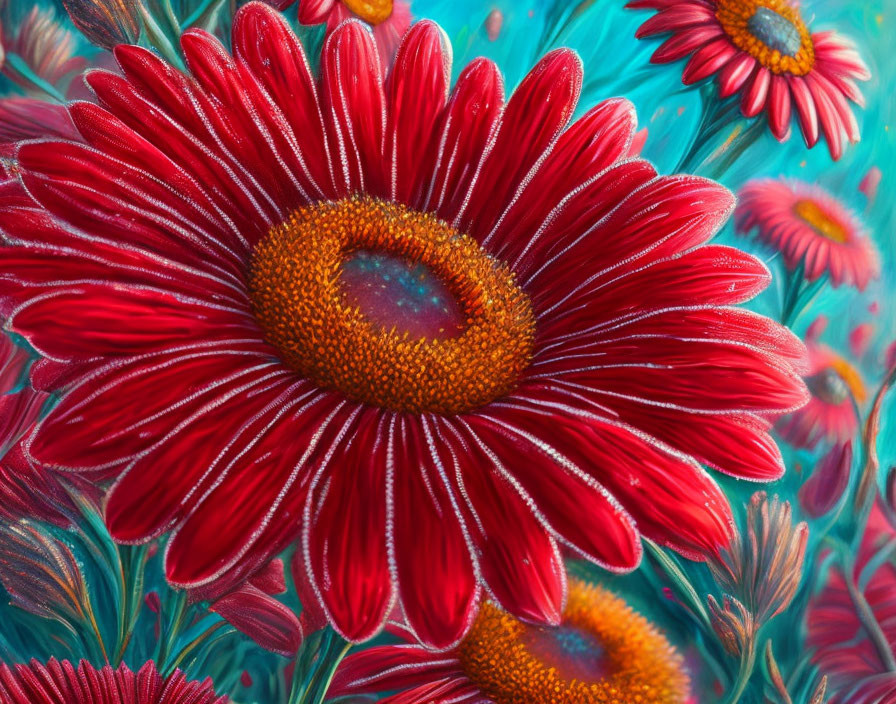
(763, 50)
(42, 575)
(64, 683)
(602, 651)
(870, 183)
(835, 386)
(46, 47)
(733, 625)
(811, 228)
(855, 659)
(105, 23)
(821, 491)
(389, 19)
(860, 338)
(764, 563)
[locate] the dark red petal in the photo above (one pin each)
(805, 110)
(449, 161)
(391, 667)
(273, 469)
(779, 107)
(264, 41)
(535, 115)
(581, 513)
(271, 579)
(265, 620)
(428, 544)
(122, 409)
(416, 92)
(601, 137)
(676, 17)
(354, 106)
(344, 535)
(519, 561)
(143, 503)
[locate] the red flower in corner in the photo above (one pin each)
(64, 683)
(763, 50)
(433, 335)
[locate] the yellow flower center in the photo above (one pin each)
(603, 652)
(391, 307)
(771, 31)
(810, 212)
(371, 11)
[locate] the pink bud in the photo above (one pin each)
(246, 679)
(823, 489)
(493, 24)
(870, 183)
(261, 617)
(152, 601)
(860, 339)
(817, 328)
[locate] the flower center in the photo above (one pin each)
(810, 212)
(371, 11)
(829, 386)
(391, 307)
(771, 31)
(601, 652)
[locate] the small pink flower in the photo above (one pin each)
(870, 183)
(810, 227)
(763, 50)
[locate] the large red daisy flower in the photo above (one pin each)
(763, 50)
(835, 387)
(440, 335)
(63, 683)
(811, 228)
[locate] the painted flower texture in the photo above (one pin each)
(811, 229)
(272, 317)
(65, 683)
(763, 52)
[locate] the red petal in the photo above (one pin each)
(429, 546)
(344, 536)
(805, 110)
(390, 667)
(416, 92)
(261, 617)
(756, 92)
(535, 115)
(353, 100)
(779, 108)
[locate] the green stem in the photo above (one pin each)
(316, 665)
(747, 663)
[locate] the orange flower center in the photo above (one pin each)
(836, 382)
(391, 307)
(602, 652)
(810, 212)
(771, 31)
(371, 11)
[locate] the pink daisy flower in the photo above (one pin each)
(64, 683)
(390, 19)
(429, 334)
(763, 50)
(830, 414)
(811, 228)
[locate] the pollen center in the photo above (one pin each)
(601, 652)
(391, 307)
(371, 11)
(810, 212)
(771, 31)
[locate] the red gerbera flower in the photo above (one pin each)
(763, 50)
(835, 386)
(63, 683)
(390, 19)
(810, 228)
(440, 335)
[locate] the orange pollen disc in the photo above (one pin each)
(371, 11)
(771, 31)
(602, 652)
(391, 307)
(810, 212)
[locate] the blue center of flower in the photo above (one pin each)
(828, 386)
(775, 31)
(575, 653)
(395, 293)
